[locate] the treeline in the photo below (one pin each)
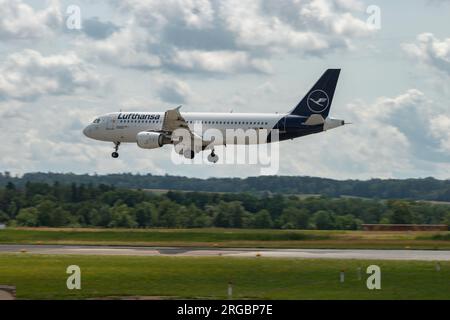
(413, 189)
(58, 205)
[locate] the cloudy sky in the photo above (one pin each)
(211, 55)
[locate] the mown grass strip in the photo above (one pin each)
(44, 277)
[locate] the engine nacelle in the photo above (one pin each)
(150, 140)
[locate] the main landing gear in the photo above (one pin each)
(213, 157)
(189, 154)
(115, 154)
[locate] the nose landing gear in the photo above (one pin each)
(115, 154)
(213, 157)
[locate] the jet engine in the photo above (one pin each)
(151, 140)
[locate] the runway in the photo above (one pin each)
(424, 255)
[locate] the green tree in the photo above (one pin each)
(446, 219)
(229, 214)
(220, 218)
(12, 209)
(27, 217)
(323, 220)
(59, 217)
(197, 218)
(347, 222)
(170, 214)
(3, 217)
(10, 186)
(101, 217)
(263, 220)
(202, 221)
(294, 218)
(401, 213)
(145, 213)
(45, 209)
(121, 217)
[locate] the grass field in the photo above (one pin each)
(44, 277)
(230, 238)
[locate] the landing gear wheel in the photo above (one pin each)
(115, 154)
(189, 154)
(213, 157)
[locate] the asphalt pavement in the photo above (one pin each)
(425, 255)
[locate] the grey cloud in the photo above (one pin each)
(210, 39)
(96, 29)
(174, 91)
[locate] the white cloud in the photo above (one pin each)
(440, 129)
(265, 88)
(218, 61)
(202, 36)
(27, 75)
(20, 21)
(155, 13)
(430, 51)
(126, 47)
(386, 107)
(174, 91)
(309, 26)
(51, 139)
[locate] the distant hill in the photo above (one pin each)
(416, 189)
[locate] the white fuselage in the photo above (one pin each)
(124, 126)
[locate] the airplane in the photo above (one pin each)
(153, 130)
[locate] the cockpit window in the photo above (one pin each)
(97, 120)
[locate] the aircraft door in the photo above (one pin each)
(111, 123)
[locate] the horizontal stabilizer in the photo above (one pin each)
(314, 120)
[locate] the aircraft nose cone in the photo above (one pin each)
(87, 131)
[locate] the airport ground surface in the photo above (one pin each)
(230, 238)
(370, 254)
(199, 263)
(40, 276)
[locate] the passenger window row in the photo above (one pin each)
(202, 121)
(229, 122)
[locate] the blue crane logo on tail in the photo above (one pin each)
(318, 101)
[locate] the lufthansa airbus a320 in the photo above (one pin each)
(152, 130)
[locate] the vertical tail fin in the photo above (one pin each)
(319, 98)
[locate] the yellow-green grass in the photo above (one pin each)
(44, 277)
(229, 238)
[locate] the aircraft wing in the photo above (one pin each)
(173, 120)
